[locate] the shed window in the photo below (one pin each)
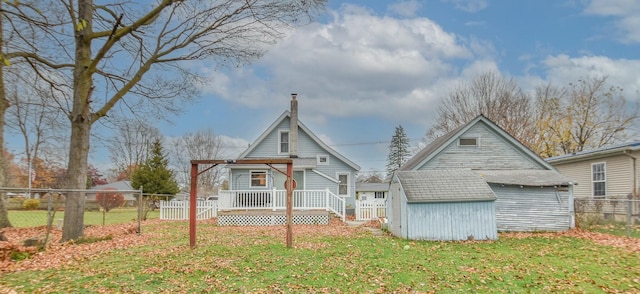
(258, 178)
(283, 142)
(599, 179)
(380, 195)
(468, 142)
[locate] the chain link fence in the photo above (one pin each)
(33, 208)
(611, 213)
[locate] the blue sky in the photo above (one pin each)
(367, 66)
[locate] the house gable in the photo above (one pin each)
(309, 145)
(494, 149)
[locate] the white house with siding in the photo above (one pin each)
(318, 169)
(531, 195)
(608, 172)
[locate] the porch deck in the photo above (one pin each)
(268, 217)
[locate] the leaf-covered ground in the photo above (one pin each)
(333, 258)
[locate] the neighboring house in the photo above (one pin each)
(609, 172)
(316, 166)
(372, 191)
(530, 194)
(129, 196)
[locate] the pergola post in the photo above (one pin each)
(289, 187)
(192, 205)
(267, 161)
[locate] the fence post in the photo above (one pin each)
(140, 211)
(629, 201)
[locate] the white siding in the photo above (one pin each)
(619, 173)
(532, 209)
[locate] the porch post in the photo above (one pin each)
(192, 205)
(274, 198)
(326, 198)
(289, 187)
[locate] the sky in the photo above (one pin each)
(365, 67)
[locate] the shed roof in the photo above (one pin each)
(525, 177)
(444, 186)
(372, 187)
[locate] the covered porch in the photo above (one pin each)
(253, 202)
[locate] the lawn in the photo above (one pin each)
(330, 259)
(34, 218)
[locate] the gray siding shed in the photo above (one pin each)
(441, 205)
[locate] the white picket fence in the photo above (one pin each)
(370, 209)
(179, 210)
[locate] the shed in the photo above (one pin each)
(441, 205)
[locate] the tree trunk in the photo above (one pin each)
(4, 104)
(81, 122)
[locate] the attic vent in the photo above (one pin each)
(468, 142)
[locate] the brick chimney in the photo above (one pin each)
(293, 127)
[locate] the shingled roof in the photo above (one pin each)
(444, 186)
(525, 177)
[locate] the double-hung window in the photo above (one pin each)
(258, 179)
(343, 185)
(599, 179)
(283, 142)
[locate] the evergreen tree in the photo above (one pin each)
(398, 150)
(154, 176)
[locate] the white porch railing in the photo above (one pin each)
(370, 209)
(179, 210)
(277, 200)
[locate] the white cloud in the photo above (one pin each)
(626, 13)
(405, 8)
(468, 5)
(625, 73)
(358, 65)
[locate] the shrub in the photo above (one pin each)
(108, 200)
(31, 204)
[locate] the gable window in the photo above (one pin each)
(322, 159)
(471, 142)
(380, 195)
(283, 142)
(258, 178)
(599, 179)
(343, 185)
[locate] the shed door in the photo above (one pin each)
(531, 209)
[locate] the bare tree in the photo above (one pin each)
(583, 115)
(491, 95)
(118, 47)
(131, 145)
(203, 144)
(31, 116)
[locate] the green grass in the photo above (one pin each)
(238, 260)
(617, 229)
(34, 218)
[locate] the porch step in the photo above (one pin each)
(272, 218)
